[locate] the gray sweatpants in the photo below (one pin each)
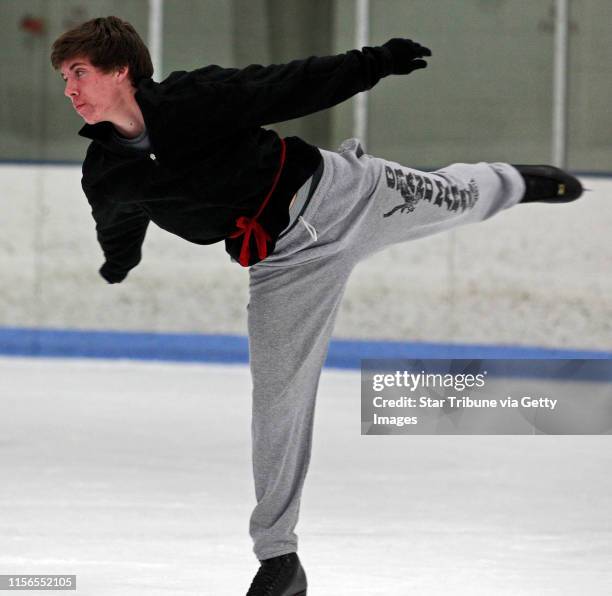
(361, 205)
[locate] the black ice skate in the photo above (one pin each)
(548, 184)
(279, 576)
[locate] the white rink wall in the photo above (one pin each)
(535, 275)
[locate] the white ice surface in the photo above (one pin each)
(136, 477)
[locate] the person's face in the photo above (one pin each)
(93, 93)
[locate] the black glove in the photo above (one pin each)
(405, 54)
(112, 277)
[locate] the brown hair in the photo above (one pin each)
(108, 43)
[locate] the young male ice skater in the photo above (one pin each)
(191, 155)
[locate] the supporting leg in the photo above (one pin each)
(290, 317)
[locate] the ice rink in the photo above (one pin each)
(136, 477)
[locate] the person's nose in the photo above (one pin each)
(70, 90)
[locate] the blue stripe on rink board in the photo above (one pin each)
(346, 354)
(123, 344)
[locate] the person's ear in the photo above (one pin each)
(122, 73)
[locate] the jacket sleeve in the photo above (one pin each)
(259, 95)
(121, 230)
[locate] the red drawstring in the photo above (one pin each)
(250, 225)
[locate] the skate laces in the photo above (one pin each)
(267, 577)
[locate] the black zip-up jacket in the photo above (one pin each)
(211, 161)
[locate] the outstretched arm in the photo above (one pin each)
(259, 95)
